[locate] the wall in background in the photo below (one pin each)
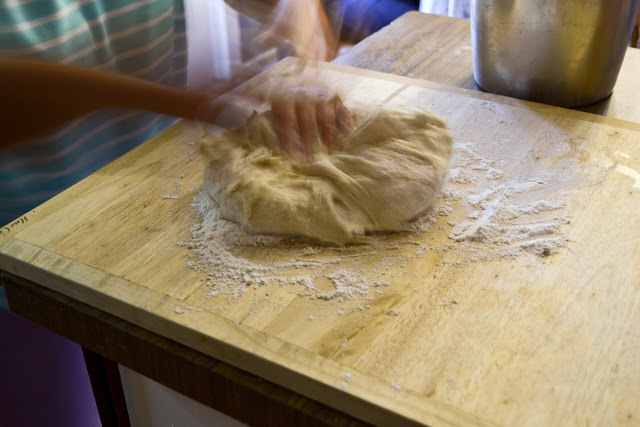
(151, 404)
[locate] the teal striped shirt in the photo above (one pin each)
(140, 38)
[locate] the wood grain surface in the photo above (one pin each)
(529, 340)
(438, 48)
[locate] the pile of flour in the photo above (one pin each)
(213, 243)
(505, 219)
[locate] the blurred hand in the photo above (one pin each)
(306, 25)
(301, 117)
(306, 115)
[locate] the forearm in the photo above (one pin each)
(38, 96)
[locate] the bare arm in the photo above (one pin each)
(39, 96)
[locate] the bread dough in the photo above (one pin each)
(388, 172)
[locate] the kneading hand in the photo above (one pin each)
(300, 116)
(305, 115)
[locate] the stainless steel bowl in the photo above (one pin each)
(561, 52)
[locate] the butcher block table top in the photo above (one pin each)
(533, 338)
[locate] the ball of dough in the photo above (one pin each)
(388, 172)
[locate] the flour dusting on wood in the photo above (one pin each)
(505, 219)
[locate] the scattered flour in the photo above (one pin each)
(179, 191)
(347, 285)
(176, 195)
(494, 174)
(493, 222)
(216, 249)
(505, 220)
(460, 176)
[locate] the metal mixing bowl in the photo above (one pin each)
(561, 52)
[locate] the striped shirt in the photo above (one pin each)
(140, 38)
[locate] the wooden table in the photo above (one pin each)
(222, 386)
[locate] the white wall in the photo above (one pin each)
(152, 404)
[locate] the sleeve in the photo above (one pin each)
(140, 38)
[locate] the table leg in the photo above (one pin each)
(107, 389)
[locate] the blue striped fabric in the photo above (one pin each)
(141, 38)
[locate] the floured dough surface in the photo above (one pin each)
(388, 172)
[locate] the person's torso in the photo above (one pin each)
(144, 39)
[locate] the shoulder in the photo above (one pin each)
(55, 30)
